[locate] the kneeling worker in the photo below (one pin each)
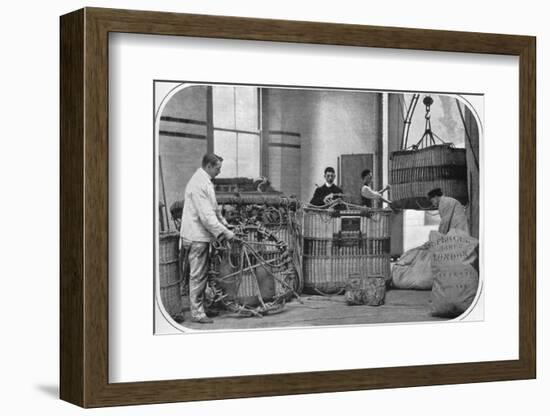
(323, 195)
(201, 223)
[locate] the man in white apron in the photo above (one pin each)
(201, 223)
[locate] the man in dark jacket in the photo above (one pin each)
(323, 195)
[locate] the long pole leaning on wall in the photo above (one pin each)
(165, 225)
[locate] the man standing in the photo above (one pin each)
(323, 195)
(201, 223)
(367, 193)
(451, 211)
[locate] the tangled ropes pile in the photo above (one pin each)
(254, 274)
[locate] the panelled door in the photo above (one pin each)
(349, 172)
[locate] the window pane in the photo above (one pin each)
(247, 108)
(235, 107)
(225, 145)
(248, 155)
(223, 103)
(240, 152)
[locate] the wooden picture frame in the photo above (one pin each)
(84, 207)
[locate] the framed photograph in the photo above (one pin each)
(256, 207)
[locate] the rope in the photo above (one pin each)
(245, 266)
(320, 292)
(253, 272)
(328, 208)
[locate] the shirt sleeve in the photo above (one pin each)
(369, 193)
(220, 217)
(206, 212)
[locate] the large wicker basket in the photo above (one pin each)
(169, 275)
(413, 173)
(337, 244)
(246, 287)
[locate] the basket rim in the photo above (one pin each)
(448, 146)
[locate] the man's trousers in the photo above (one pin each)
(197, 261)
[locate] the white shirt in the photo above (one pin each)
(201, 219)
(452, 215)
(367, 192)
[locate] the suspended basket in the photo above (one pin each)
(416, 170)
(413, 173)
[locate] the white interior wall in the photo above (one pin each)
(330, 123)
(181, 156)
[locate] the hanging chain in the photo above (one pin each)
(428, 138)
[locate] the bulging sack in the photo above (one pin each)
(413, 270)
(454, 290)
(455, 278)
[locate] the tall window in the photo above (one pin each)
(237, 130)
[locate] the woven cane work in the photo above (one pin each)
(169, 276)
(413, 173)
(331, 255)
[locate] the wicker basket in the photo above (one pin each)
(282, 233)
(337, 244)
(169, 276)
(413, 173)
(245, 288)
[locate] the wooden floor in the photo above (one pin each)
(314, 310)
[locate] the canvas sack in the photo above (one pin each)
(413, 270)
(456, 280)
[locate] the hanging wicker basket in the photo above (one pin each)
(413, 173)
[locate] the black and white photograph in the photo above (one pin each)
(275, 208)
(299, 206)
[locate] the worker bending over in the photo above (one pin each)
(452, 213)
